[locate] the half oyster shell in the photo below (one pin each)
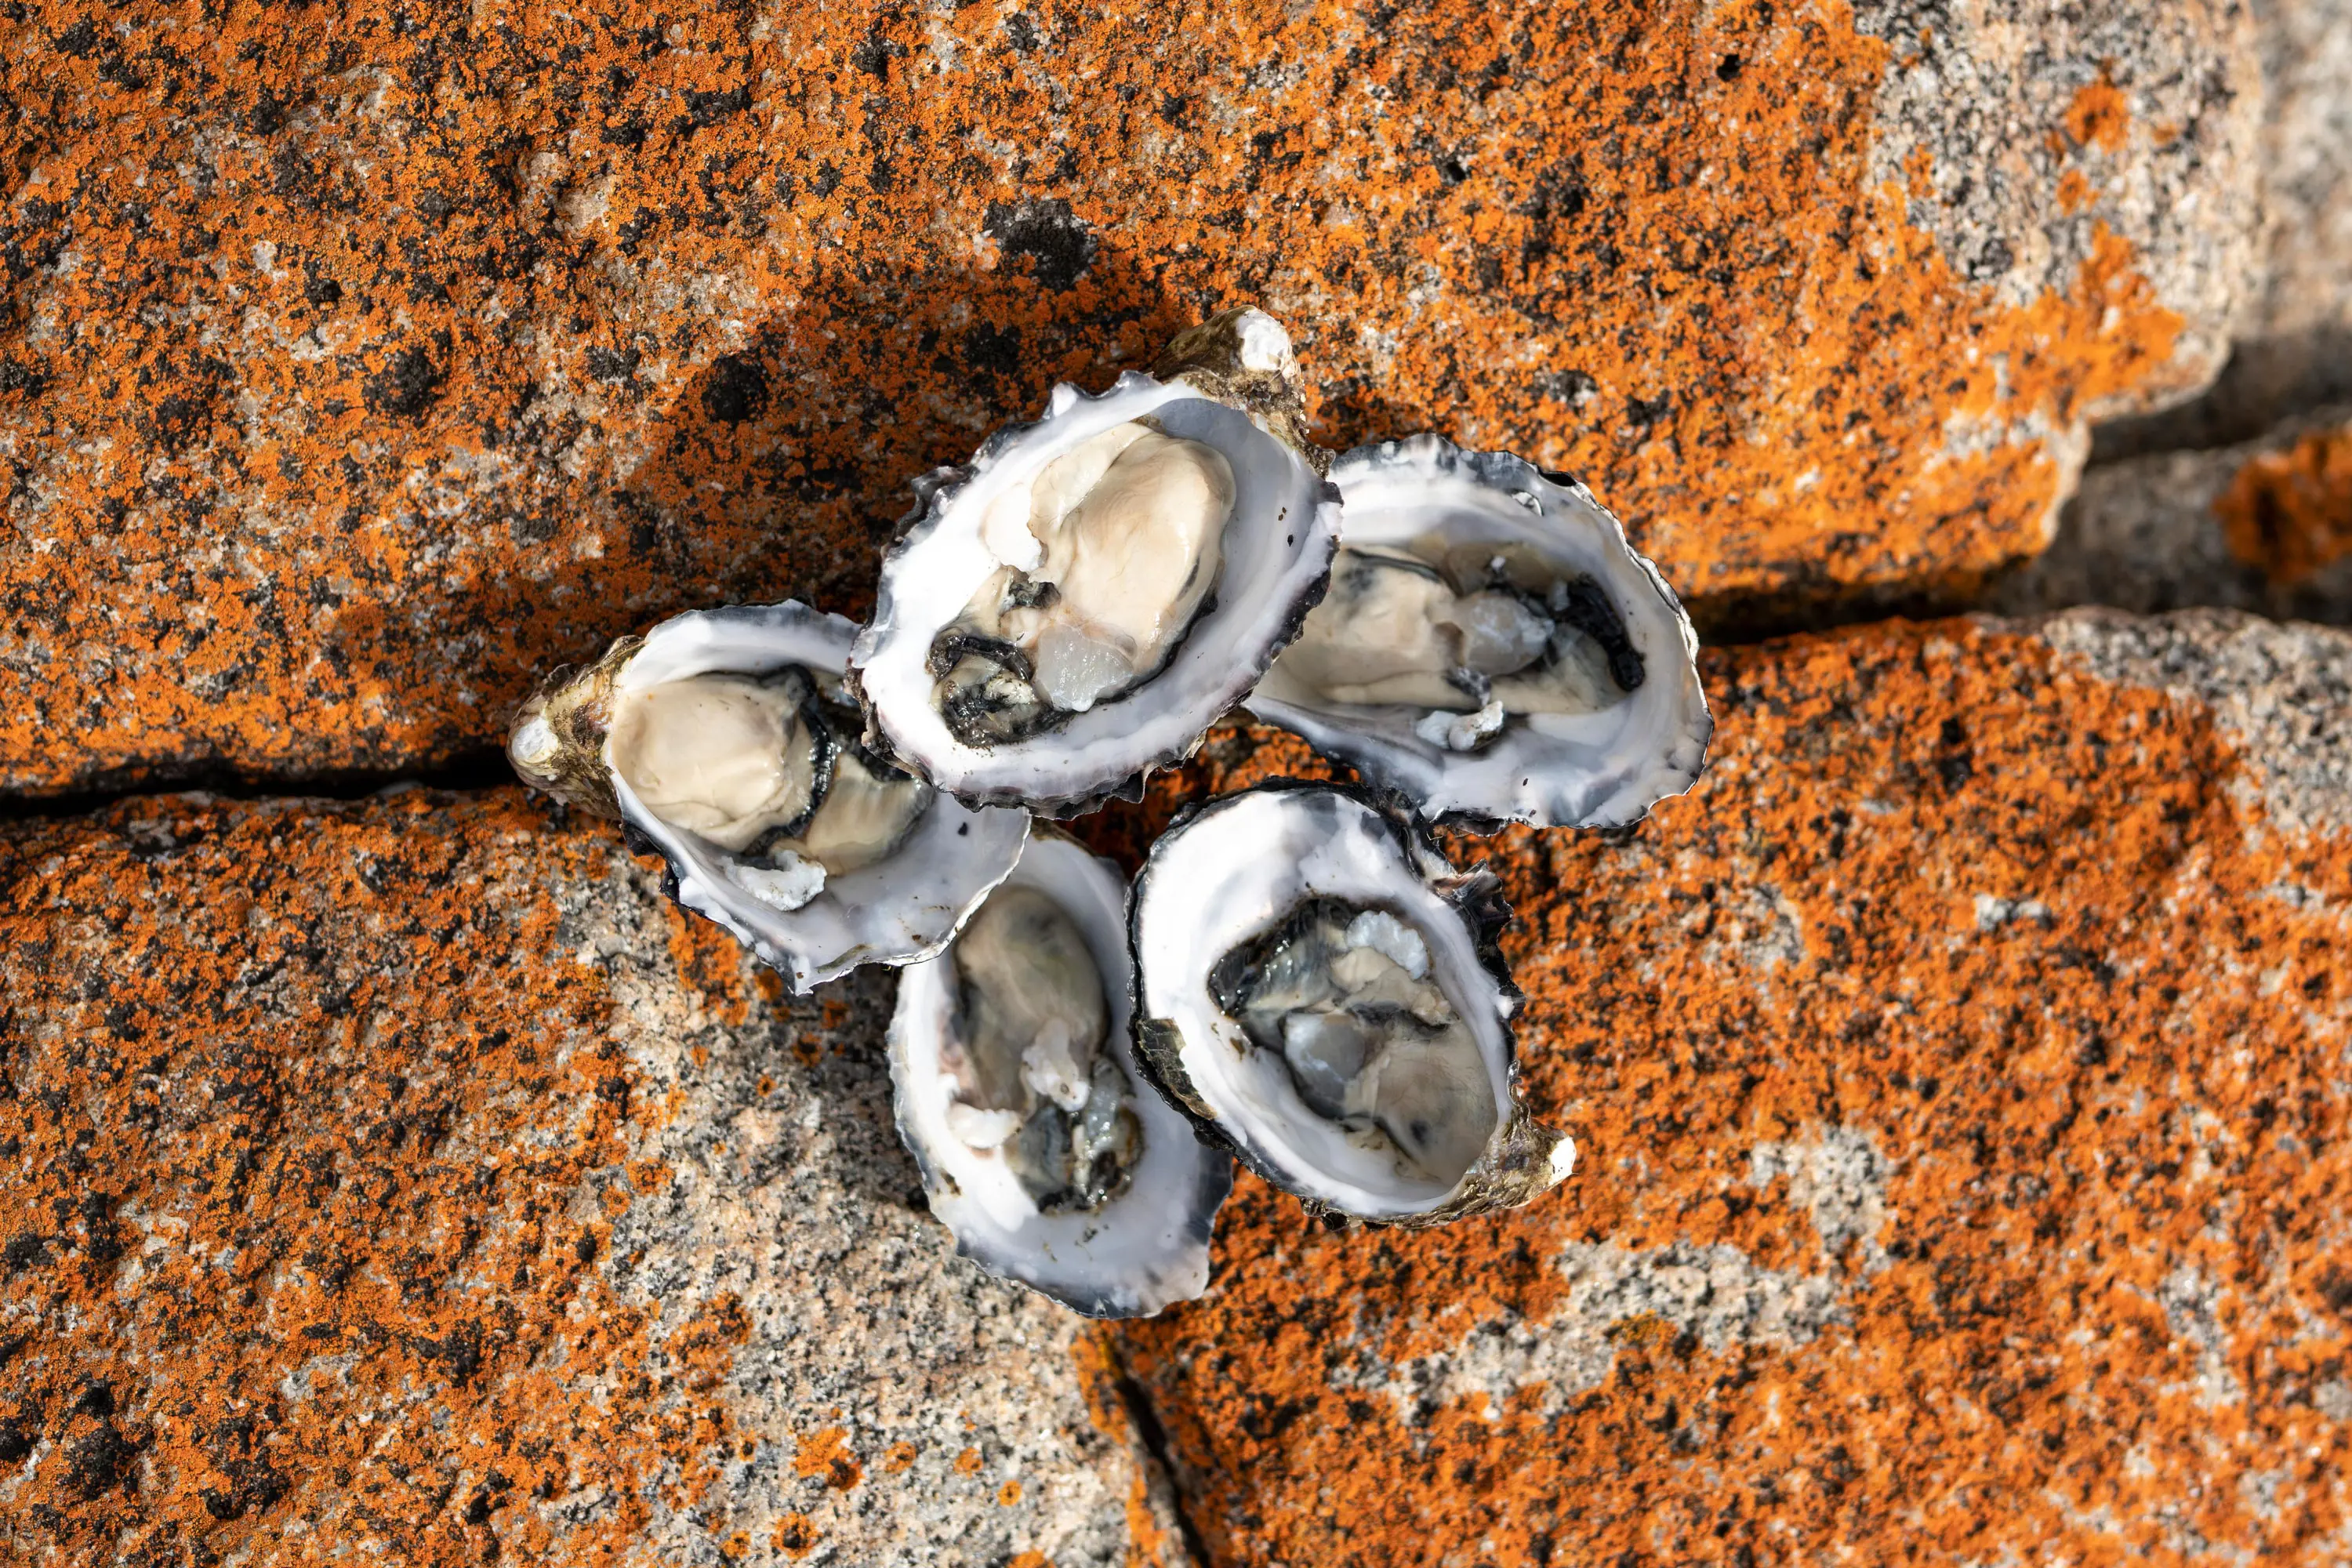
(724, 742)
(1491, 647)
(1018, 1091)
(1322, 992)
(1077, 604)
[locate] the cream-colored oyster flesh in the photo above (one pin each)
(738, 761)
(1075, 605)
(723, 755)
(864, 817)
(1012, 1062)
(1104, 558)
(1491, 647)
(1452, 630)
(1031, 1077)
(726, 740)
(1319, 991)
(1343, 994)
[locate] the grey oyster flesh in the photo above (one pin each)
(1343, 994)
(1033, 1079)
(766, 767)
(1104, 558)
(1472, 632)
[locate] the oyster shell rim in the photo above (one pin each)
(1523, 1158)
(581, 772)
(938, 491)
(1212, 1183)
(1396, 760)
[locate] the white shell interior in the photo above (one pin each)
(1232, 873)
(1143, 1251)
(1589, 770)
(902, 907)
(1277, 548)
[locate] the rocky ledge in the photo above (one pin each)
(361, 361)
(1958, 1072)
(407, 1177)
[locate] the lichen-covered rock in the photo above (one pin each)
(404, 1179)
(2264, 525)
(362, 361)
(1959, 1078)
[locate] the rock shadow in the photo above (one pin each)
(2266, 382)
(806, 439)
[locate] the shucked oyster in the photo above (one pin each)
(1491, 647)
(1018, 1091)
(1079, 604)
(724, 742)
(1321, 992)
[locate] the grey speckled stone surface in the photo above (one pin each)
(2306, 55)
(2141, 534)
(801, 1202)
(1976, 87)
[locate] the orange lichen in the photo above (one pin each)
(2290, 513)
(898, 1459)
(1944, 901)
(1009, 1493)
(268, 1290)
(968, 1462)
(439, 344)
(825, 1455)
(2100, 115)
(796, 1536)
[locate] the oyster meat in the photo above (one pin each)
(1491, 647)
(1078, 604)
(1017, 1089)
(1321, 992)
(724, 740)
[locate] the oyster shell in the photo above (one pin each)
(1321, 992)
(1077, 604)
(1018, 1091)
(1491, 647)
(724, 742)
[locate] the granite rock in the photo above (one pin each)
(2293, 348)
(2306, 160)
(1960, 1075)
(359, 363)
(2262, 525)
(404, 1178)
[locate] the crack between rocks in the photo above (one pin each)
(1154, 1438)
(2265, 384)
(469, 771)
(1723, 622)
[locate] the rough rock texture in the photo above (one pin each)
(2294, 338)
(1960, 1075)
(2306, 159)
(2264, 526)
(406, 1180)
(360, 362)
